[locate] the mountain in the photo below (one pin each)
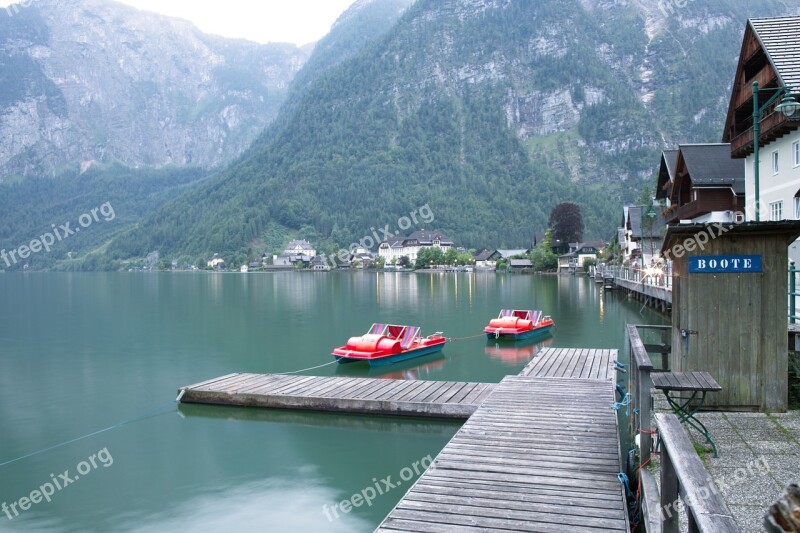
(32, 205)
(94, 80)
(491, 113)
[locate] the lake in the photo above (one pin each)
(80, 353)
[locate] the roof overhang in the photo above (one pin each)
(680, 233)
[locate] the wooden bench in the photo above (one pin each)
(672, 384)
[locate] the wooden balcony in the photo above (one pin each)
(701, 207)
(773, 126)
(765, 77)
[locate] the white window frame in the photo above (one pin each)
(797, 207)
(776, 210)
(775, 163)
(796, 153)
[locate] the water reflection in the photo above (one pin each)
(81, 352)
(516, 352)
(292, 502)
(420, 368)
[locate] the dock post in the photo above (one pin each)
(669, 495)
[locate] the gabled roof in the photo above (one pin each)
(299, 245)
(598, 245)
(486, 255)
(780, 39)
(507, 254)
(768, 55)
(666, 173)
(427, 236)
(711, 165)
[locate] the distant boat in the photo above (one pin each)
(519, 324)
(385, 344)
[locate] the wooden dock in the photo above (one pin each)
(573, 363)
(539, 451)
(541, 454)
(441, 399)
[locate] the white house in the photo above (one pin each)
(300, 247)
(216, 262)
(579, 253)
(392, 250)
(642, 234)
(769, 56)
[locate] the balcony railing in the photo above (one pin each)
(773, 126)
(764, 77)
(701, 207)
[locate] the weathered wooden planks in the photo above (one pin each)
(685, 381)
(441, 399)
(540, 454)
(573, 363)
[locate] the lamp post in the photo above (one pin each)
(790, 109)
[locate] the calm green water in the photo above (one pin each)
(82, 352)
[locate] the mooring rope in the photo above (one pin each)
(305, 369)
(454, 339)
(146, 414)
(173, 403)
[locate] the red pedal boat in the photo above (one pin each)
(519, 324)
(385, 344)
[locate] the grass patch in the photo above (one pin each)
(702, 452)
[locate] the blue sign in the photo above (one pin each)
(714, 264)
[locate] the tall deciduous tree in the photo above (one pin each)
(566, 222)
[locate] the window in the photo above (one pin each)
(775, 167)
(797, 207)
(776, 211)
(796, 153)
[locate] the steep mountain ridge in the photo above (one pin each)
(97, 80)
(490, 112)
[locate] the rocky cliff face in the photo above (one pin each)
(92, 80)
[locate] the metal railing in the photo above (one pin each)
(653, 276)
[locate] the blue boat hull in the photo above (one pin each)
(531, 334)
(391, 359)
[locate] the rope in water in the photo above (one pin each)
(146, 414)
(306, 369)
(173, 403)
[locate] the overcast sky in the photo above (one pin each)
(294, 21)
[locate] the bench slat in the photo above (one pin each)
(686, 381)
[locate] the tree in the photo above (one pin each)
(430, 256)
(404, 261)
(542, 256)
(566, 222)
